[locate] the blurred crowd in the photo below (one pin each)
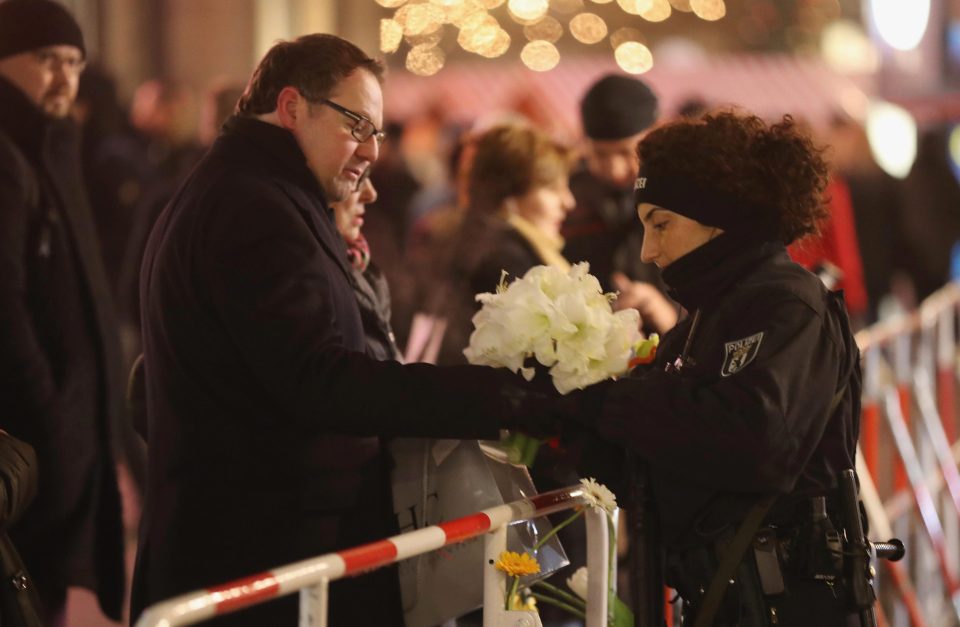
(887, 244)
(453, 206)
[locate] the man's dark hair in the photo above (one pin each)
(313, 64)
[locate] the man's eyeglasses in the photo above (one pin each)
(51, 61)
(363, 129)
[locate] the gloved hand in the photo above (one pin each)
(537, 409)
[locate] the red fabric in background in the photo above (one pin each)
(837, 243)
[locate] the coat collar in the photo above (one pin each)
(24, 122)
(288, 165)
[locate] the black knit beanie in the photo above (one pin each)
(31, 24)
(617, 107)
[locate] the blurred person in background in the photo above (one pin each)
(877, 200)
(219, 102)
(62, 381)
(518, 197)
(603, 229)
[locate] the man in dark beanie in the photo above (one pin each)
(60, 376)
(604, 229)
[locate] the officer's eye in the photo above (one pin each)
(660, 226)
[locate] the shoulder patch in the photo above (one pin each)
(739, 353)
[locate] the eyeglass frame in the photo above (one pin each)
(51, 60)
(379, 135)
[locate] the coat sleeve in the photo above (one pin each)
(18, 478)
(27, 386)
(751, 431)
(277, 298)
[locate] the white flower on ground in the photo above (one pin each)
(577, 582)
(598, 495)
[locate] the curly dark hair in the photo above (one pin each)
(314, 64)
(776, 167)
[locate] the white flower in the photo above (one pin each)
(598, 495)
(578, 582)
(561, 319)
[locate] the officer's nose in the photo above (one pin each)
(369, 150)
(649, 251)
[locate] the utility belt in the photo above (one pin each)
(814, 571)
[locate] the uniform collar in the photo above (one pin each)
(704, 275)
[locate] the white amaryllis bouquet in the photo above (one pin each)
(563, 320)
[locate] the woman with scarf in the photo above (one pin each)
(518, 197)
(369, 284)
(753, 397)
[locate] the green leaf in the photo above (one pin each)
(622, 616)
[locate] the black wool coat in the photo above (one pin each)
(61, 379)
(265, 415)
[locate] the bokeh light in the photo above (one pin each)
(478, 31)
(892, 133)
(633, 57)
(425, 60)
(953, 146)
(549, 29)
(900, 23)
(391, 4)
(588, 28)
(391, 34)
(635, 7)
(681, 5)
(497, 46)
(540, 56)
(623, 35)
(420, 19)
(710, 10)
(528, 10)
(847, 49)
(658, 12)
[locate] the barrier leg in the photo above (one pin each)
(599, 566)
(313, 604)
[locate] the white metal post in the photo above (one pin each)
(494, 581)
(313, 604)
(598, 551)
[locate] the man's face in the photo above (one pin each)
(614, 161)
(333, 154)
(48, 76)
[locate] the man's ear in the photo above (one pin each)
(288, 107)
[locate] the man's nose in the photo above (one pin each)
(369, 150)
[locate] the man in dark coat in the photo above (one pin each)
(60, 379)
(603, 228)
(265, 416)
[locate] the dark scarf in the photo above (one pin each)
(703, 275)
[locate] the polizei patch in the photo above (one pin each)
(739, 353)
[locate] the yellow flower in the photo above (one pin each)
(517, 564)
(517, 602)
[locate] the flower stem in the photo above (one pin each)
(563, 594)
(513, 591)
(554, 531)
(563, 606)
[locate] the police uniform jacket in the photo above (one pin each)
(749, 412)
(265, 415)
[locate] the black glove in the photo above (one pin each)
(537, 409)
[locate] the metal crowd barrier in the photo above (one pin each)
(311, 577)
(908, 459)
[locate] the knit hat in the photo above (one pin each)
(617, 107)
(31, 24)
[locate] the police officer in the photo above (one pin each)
(754, 397)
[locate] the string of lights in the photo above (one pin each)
(424, 24)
